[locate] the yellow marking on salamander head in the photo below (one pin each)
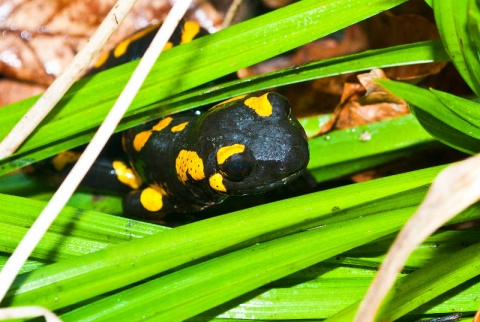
(179, 127)
(227, 151)
(189, 162)
(236, 98)
(216, 182)
(261, 105)
(190, 30)
(140, 140)
(123, 46)
(61, 160)
(151, 199)
(126, 175)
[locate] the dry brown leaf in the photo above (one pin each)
(15, 91)
(365, 103)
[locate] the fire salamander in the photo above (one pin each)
(245, 145)
(184, 163)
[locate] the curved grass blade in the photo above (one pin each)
(384, 141)
(473, 25)
(226, 277)
(452, 19)
(438, 246)
(93, 274)
(325, 289)
(424, 285)
(75, 232)
(450, 119)
(178, 292)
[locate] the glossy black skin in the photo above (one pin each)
(276, 153)
(276, 149)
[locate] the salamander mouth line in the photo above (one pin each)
(260, 188)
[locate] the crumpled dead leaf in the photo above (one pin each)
(364, 103)
(40, 37)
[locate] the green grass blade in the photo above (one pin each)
(465, 110)
(385, 139)
(473, 25)
(325, 289)
(439, 246)
(29, 265)
(75, 232)
(119, 265)
(424, 285)
(452, 21)
(449, 124)
(226, 277)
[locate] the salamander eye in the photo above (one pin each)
(238, 166)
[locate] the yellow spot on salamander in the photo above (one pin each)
(140, 140)
(190, 30)
(151, 199)
(168, 45)
(142, 137)
(261, 105)
(123, 46)
(216, 182)
(126, 175)
(179, 127)
(100, 61)
(162, 124)
(189, 162)
(61, 160)
(227, 151)
(236, 98)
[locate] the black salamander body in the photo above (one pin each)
(245, 145)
